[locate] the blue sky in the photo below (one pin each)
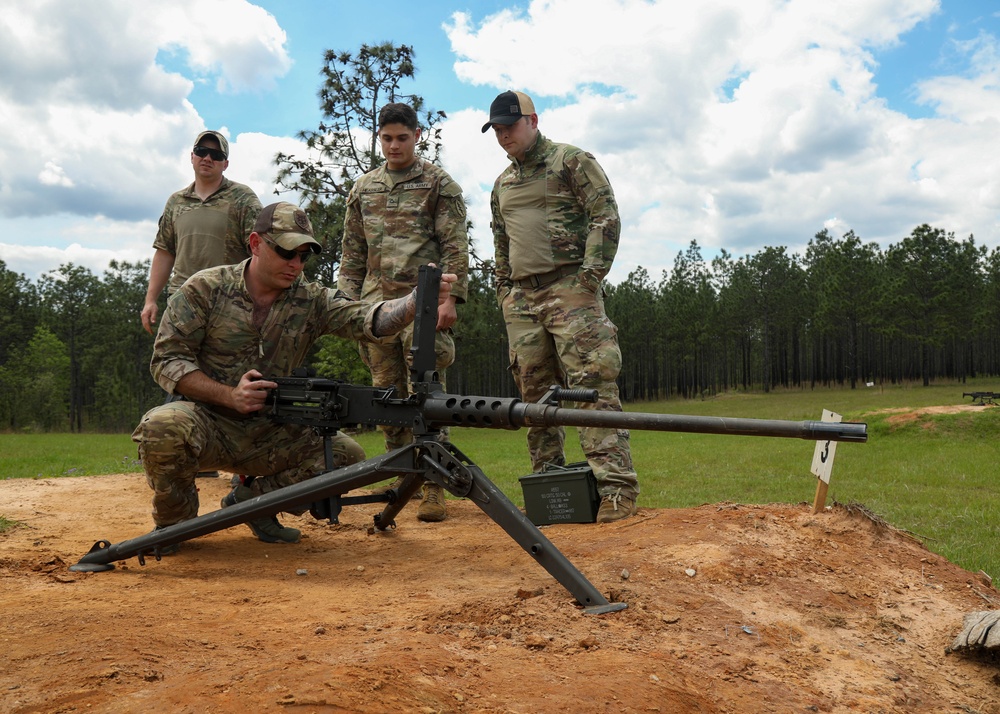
(736, 123)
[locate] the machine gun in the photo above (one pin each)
(983, 398)
(328, 405)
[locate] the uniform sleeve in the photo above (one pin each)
(166, 239)
(451, 228)
(593, 190)
(178, 341)
(249, 209)
(501, 246)
(354, 249)
(348, 318)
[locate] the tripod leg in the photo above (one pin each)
(447, 466)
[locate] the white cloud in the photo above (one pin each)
(741, 123)
(97, 129)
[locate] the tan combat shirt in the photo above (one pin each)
(554, 210)
(203, 234)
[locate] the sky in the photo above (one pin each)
(739, 124)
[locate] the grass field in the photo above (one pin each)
(934, 475)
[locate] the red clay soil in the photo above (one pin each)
(731, 608)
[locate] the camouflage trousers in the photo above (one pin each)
(179, 439)
(389, 363)
(560, 334)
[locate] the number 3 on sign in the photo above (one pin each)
(822, 463)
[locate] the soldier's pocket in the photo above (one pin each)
(596, 346)
(514, 368)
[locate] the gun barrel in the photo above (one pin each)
(506, 413)
(541, 415)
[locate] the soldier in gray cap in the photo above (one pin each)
(555, 230)
(224, 333)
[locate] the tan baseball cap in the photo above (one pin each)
(223, 144)
(288, 226)
(508, 107)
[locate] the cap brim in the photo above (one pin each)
(291, 241)
(503, 121)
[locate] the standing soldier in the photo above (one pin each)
(555, 230)
(404, 214)
(202, 226)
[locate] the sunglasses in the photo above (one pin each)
(285, 254)
(202, 151)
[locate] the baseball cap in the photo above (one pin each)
(508, 107)
(223, 144)
(287, 225)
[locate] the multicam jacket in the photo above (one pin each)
(554, 211)
(203, 234)
(395, 225)
(208, 326)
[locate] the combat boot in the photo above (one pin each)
(432, 504)
(267, 529)
(615, 507)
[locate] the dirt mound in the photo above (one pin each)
(730, 609)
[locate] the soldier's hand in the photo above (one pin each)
(447, 313)
(249, 395)
(148, 316)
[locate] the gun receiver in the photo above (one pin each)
(327, 405)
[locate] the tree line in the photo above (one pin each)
(74, 357)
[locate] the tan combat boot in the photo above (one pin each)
(615, 507)
(432, 505)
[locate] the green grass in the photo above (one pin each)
(934, 476)
(54, 455)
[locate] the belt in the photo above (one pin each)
(540, 281)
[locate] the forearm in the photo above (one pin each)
(393, 315)
(159, 273)
(198, 386)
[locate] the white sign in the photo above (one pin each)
(822, 463)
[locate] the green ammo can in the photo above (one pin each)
(561, 494)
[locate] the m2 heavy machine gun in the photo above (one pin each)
(329, 405)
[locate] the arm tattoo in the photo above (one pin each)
(394, 315)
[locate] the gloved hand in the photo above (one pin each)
(979, 630)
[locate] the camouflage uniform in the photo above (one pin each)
(208, 326)
(395, 223)
(556, 228)
(202, 234)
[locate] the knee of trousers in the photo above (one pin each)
(167, 434)
(347, 451)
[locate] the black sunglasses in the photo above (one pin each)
(285, 254)
(202, 151)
